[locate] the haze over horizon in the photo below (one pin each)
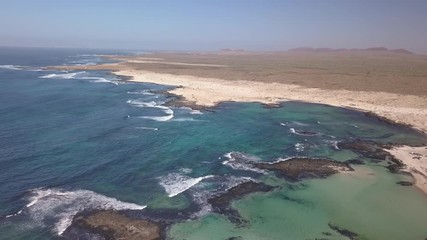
(212, 25)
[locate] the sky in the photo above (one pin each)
(259, 25)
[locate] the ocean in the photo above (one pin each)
(75, 141)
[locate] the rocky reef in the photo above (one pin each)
(221, 203)
(344, 232)
(111, 225)
(299, 168)
(374, 151)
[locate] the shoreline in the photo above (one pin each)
(209, 92)
(390, 87)
(415, 161)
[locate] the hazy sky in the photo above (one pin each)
(215, 24)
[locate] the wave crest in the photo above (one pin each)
(152, 104)
(175, 183)
(241, 161)
(62, 75)
(61, 206)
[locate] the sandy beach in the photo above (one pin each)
(390, 85)
(210, 91)
(415, 159)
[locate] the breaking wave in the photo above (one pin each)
(148, 128)
(200, 194)
(143, 92)
(19, 67)
(152, 104)
(62, 75)
(176, 183)
(60, 206)
(299, 147)
(160, 118)
(12, 67)
(100, 80)
(185, 119)
(241, 161)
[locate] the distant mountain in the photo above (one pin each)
(401, 50)
(373, 49)
(231, 50)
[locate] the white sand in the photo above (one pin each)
(415, 159)
(407, 109)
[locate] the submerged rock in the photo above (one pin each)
(355, 161)
(405, 183)
(345, 232)
(114, 225)
(221, 203)
(374, 151)
(367, 149)
(298, 168)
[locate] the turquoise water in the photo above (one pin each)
(75, 141)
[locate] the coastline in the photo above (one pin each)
(415, 159)
(391, 87)
(402, 109)
(205, 92)
(389, 107)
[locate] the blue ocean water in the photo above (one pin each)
(86, 140)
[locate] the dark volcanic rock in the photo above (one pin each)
(373, 151)
(347, 233)
(355, 161)
(114, 225)
(297, 168)
(404, 183)
(180, 101)
(271, 105)
(394, 168)
(367, 149)
(221, 203)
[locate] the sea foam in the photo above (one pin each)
(152, 104)
(61, 206)
(19, 67)
(100, 80)
(62, 75)
(143, 92)
(176, 183)
(241, 161)
(201, 195)
(186, 119)
(148, 128)
(299, 147)
(12, 67)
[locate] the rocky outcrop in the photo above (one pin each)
(221, 203)
(114, 225)
(297, 168)
(373, 151)
(345, 232)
